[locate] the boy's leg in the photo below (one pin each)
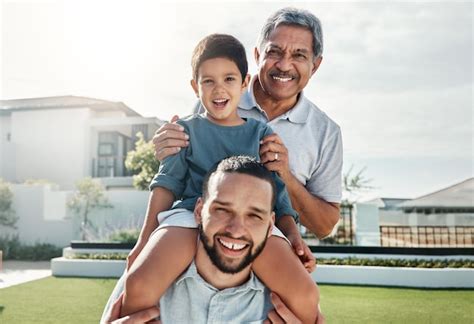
(168, 252)
(283, 273)
(113, 297)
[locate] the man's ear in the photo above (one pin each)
(195, 87)
(272, 223)
(256, 55)
(198, 210)
(316, 64)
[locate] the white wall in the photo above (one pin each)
(33, 226)
(44, 216)
(366, 224)
(51, 144)
(7, 153)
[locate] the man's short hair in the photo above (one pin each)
(243, 165)
(294, 17)
(219, 45)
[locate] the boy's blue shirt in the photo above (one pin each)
(183, 173)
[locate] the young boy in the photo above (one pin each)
(219, 78)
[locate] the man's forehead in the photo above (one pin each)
(223, 183)
(298, 36)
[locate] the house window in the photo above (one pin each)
(106, 149)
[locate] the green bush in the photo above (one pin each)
(125, 236)
(99, 256)
(412, 263)
(13, 249)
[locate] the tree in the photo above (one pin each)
(142, 162)
(7, 214)
(89, 196)
(354, 184)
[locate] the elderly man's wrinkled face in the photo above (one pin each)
(235, 219)
(286, 62)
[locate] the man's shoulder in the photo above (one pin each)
(317, 117)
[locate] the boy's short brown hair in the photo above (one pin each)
(219, 45)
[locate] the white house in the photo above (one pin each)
(442, 218)
(63, 139)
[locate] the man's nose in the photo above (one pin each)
(284, 63)
(236, 226)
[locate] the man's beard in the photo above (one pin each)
(218, 260)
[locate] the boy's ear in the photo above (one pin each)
(198, 210)
(195, 87)
(246, 82)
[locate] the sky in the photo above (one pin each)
(396, 76)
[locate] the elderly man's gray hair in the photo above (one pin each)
(294, 17)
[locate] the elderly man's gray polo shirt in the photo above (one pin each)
(313, 140)
(193, 300)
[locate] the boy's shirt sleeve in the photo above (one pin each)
(282, 203)
(172, 172)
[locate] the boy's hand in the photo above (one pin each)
(169, 139)
(134, 253)
(302, 251)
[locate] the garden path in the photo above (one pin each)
(17, 272)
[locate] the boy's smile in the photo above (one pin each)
(219, 87)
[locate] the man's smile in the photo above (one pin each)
(232, 248)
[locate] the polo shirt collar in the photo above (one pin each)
(298, 114)
(252, 284)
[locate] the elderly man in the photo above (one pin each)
(306, 150)
(234, 224)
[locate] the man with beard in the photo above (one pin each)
(235, 217)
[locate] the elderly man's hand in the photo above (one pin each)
(144, 316)
(274, 154)
(282, 314)
(169, 139)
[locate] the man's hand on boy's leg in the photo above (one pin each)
(303, 252)
(169, 139)
(144, 316)
(282, 314)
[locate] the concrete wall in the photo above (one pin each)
(56, 140)
(30, 204)
(7, 165)
(366, 225)
(45, 218)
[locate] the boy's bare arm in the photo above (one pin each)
(288, 226)
(160, 199)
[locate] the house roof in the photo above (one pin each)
(386, 203)
(61, 102)
(459, 195)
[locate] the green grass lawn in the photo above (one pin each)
(78, 300)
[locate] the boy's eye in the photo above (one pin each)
(207, 81)
(230, 78)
